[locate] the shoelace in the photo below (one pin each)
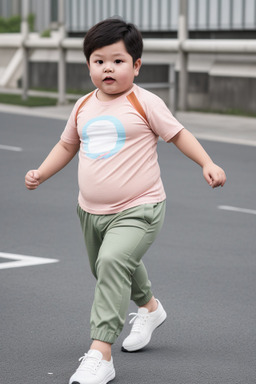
(89, 363)
(138, 321)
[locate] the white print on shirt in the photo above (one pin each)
(103, 137)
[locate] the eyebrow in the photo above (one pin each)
(112, 54)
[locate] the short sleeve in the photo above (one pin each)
(70, 133)
(161, 120)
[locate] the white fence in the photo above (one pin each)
(162, 15)
(148, 15)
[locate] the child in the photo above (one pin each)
(121, 203)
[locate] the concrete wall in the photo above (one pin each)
(205, 90)
(232, 93)
(44, 75)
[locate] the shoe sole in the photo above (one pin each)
(143, 345)
(109, 378)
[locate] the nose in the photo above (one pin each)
(108, 68)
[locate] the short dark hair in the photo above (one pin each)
(110, 31)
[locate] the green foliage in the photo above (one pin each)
(12, 24)
(231, 112)
(31, 22)
(46, 33)
(30, 102)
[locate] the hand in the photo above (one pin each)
(32, 179)
(214, 175)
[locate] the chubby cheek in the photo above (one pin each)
(125, 78)
(94, 75)
(96, 79)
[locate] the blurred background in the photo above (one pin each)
(198, 54)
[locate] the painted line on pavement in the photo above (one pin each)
(229, 140)
(236, 209)
(23, 261)
(10, 148)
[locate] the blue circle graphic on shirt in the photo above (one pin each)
(103, 137)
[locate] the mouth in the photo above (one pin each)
(108, 79)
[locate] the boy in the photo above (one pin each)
(121, 201)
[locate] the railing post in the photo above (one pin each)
(172, 96)
(25, 53)
(183, 56)
(62, 54)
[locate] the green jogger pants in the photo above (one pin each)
(115, 245)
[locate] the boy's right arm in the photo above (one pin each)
(57, 159)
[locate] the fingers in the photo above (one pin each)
(32, 179)
(214, 175)
(217, 183)
(208, 179)
(219, 179)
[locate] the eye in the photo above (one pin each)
(118, 61)
(99, 61)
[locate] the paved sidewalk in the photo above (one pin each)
(224, 128)
(206, 126)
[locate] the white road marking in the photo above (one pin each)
(229, 140)
(23, 261)
(10, 148)
(236, 209)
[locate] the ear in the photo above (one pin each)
(137, 66)
(88, 65)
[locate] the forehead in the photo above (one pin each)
(112, 49)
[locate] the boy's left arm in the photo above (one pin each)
(188, 144)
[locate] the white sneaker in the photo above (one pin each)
(144, 323)
(93, 369)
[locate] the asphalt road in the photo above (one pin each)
(202, 268)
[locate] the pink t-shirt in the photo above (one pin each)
(118, 162)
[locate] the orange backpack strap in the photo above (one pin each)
(137, 105)
(82, 104)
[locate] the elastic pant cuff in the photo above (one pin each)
(104, 335)
(145, 299)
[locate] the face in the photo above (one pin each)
(112, 70)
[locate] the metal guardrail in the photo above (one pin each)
(219, 46)
(150, 45)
